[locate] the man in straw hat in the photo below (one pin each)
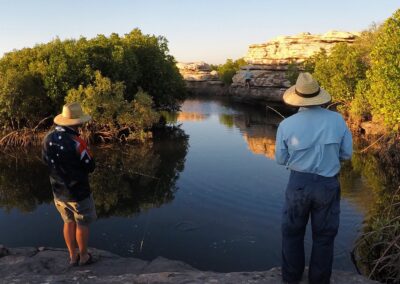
(311, 144)
(70, 163)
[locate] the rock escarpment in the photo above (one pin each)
(269, 62)
(49, 265)
(201, 80)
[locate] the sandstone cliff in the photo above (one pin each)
(200, 79)
(269, 61)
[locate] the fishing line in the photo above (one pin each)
(148, 218)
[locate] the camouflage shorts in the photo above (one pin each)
(81, 212)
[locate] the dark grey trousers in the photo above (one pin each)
(318, 196)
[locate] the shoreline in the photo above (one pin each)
(50, 265)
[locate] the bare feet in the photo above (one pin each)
(85, 259)
(74, 259)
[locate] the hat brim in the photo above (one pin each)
(63, 121)
(291, 98)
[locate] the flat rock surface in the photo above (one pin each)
(50, 265)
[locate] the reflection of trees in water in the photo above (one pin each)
(354, 185)
(24, 182)
(377, 250)
(128, 179)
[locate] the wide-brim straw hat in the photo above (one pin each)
(306, 92)
(72, 114)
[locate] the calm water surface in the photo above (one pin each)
(209, 194)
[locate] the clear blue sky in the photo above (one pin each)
(208, 30)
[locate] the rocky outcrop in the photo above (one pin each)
(285, 49)
(49, 265)
(269, 62)
(201, 80)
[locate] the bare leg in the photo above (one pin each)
(82, 237)
(69, 237)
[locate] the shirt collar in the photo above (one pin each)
(67, 130)
(308, 108)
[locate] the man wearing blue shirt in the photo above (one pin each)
(311, 144)
(247, 77)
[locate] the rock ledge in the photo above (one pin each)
(49, 265)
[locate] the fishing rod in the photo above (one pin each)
(271, 108)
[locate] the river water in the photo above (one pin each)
(207, 192)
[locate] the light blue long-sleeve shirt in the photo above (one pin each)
(314, 140)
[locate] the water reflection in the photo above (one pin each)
(258, 127)
(131, 179)
(191, 116)
(225, 215)
(259, 135)
(24, 183)
(127, 180)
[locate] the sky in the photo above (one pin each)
(202, 30)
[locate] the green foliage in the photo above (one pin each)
(340, 71)
(383, 77)
(308, 65)
(105, 102)
(214, 67)
(159, 76)
(35, 81)
(23, 100)
(227, 70)
(293, 72)
(360, 108)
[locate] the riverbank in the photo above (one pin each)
(49, 265)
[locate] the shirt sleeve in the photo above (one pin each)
(346, 145)
(281, 150)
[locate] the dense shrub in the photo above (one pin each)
(23, 99)
(105, 102)
(340, 72)
(35, 81)
(383, 78)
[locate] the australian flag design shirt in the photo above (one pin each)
(70, 162)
